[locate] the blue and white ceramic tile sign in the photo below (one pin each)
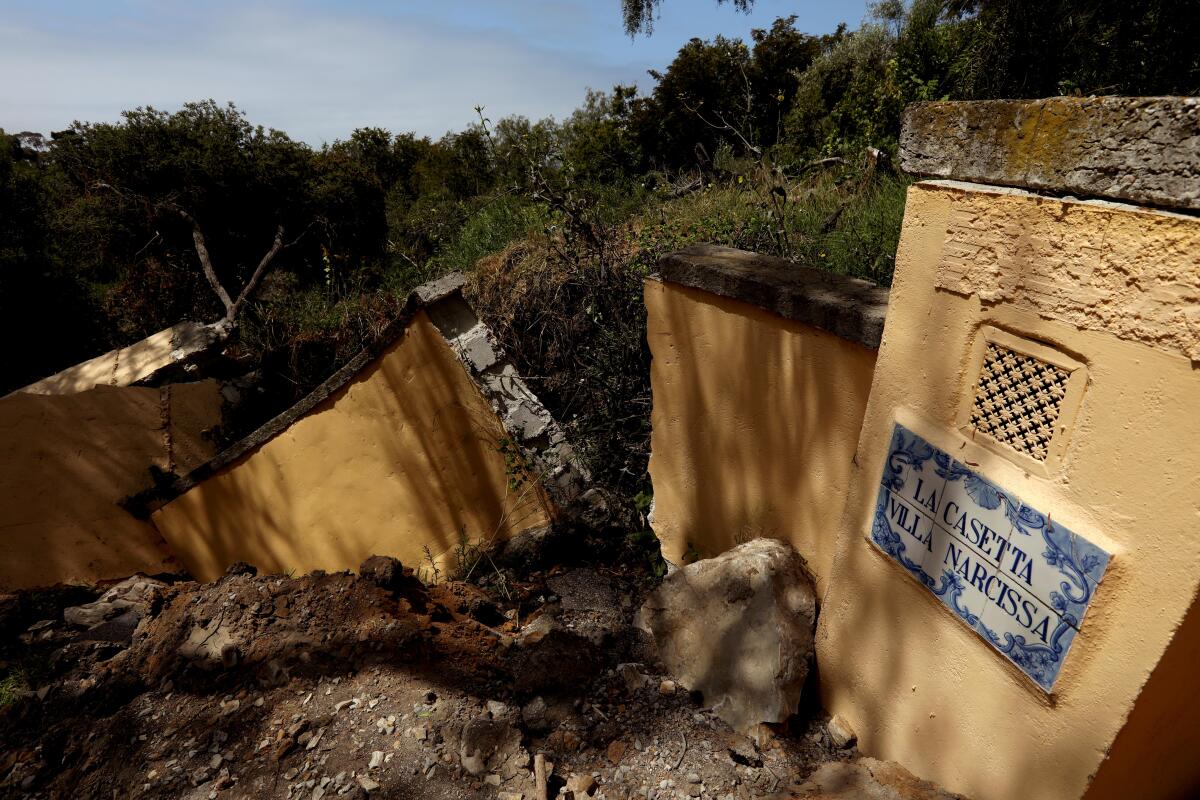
(1008, 571)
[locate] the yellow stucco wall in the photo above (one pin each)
(755, 422)
(68, 459)
(403, 456)
(919, 686)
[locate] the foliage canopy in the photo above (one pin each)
(757, 143)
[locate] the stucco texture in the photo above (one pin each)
(920, 687)
(755, 422)
(68, 460)
(405, 456)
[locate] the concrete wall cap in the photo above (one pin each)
(1143, 150)
(851, 308)
(438, 288)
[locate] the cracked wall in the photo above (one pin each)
(70, 458)
(402, 453)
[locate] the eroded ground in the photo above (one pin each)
(377, 686)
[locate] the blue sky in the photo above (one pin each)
(320, 69)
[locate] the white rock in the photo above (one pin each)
(738, 628)
(840, 731)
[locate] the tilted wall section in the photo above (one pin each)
(405, 456)
(757, 410)
(426, 442)
(69, 459)
(1112, 290)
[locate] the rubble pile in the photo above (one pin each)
(517, 687)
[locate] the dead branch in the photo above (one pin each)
(251, 284)
(540, 776)
(232, 307)
(831, 221)
(724, 126)
(205, 261)
(687, 188)
(823, 162)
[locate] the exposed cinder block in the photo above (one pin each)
(475, 348)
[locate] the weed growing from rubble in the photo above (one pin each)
(515, 467)
(467, 555)
(13, 687)
(433, 576)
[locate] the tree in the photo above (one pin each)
(46, 319)
(639, 14)
(1038, 48)
(159, 194)
(705, 97)
(607, 138)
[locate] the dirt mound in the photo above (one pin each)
(370, 685)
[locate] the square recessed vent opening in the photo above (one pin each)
(1018, 400)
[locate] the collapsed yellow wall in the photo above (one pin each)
(755, 422)
(403, 457)
(68, 460)
(919, 686)
(121, 367)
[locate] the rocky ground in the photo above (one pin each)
(511, 686)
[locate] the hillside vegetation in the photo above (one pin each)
(782, 143)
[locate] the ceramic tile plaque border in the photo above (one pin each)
(1018, 579)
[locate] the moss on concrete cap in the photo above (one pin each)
(851, 308)
(1144, 150)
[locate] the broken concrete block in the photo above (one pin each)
(738, 628)
(116, 614)
(211, 646)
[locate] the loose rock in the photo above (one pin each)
(738, 628)
(840, 731)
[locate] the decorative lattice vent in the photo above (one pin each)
(1018, 400)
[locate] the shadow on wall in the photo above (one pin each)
(1157, 746)
(763, 427)
(68, 459)
(756, 421)
(404, 457)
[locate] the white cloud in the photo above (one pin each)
(316, 75)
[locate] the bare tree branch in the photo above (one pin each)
(724, 126)
(232, 307)
(251, 284)
(206, 261)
